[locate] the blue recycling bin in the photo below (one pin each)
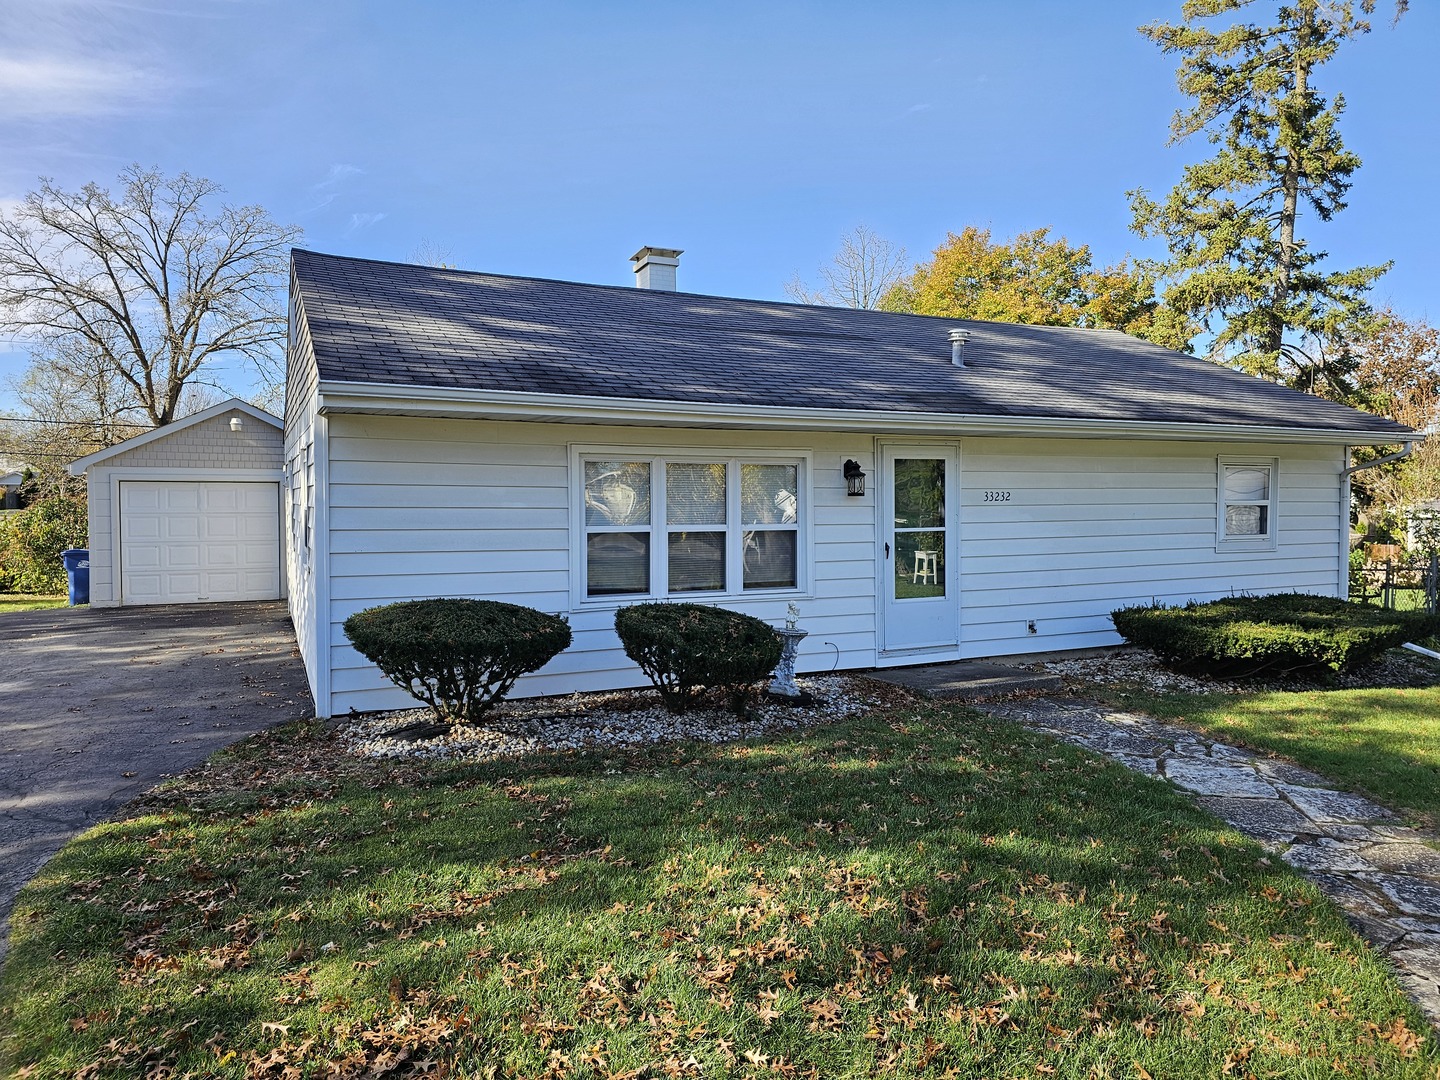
(77, 569)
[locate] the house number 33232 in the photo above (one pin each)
(997, 496)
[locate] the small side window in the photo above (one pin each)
(1247, 502)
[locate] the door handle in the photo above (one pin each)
(887, 550)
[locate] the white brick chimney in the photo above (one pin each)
(655, 268)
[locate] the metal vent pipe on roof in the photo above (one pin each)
(655, 268)
(957, 346)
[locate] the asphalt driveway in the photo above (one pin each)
(97, 706)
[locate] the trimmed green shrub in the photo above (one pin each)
(1281, 634)
(460, 657)
(31, 542)
(683, 648)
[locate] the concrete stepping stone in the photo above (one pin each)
(1285, 773)
(1326, 856)
(1189, 748)
(1263, 818)
(1130, 745)
(1148, 765)
(1205, 777)
(1221, 752)
(1414, 896)
(1423, 989)
(1324, 804)
(1354, 899)
(1400, 857)
(1340, 830)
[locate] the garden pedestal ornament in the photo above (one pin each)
(783, 682)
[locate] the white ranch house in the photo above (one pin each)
(575, 448)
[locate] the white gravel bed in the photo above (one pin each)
(1137, 667)
(1140, 667)
(580, 721)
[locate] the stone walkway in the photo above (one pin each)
(1384, 876)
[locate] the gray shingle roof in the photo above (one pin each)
(376, 322)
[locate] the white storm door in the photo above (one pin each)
(919, 576)
(196, 541)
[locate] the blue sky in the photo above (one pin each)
(555, 138)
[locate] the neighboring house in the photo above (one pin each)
(577, 447)
(1422, 526)
(188, 512)
(10, 484)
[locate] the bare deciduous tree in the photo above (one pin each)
(858, 276)
(430, 253)
(72, 405)
(152, 284)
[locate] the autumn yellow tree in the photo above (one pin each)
(1397, 374)
(1034, 279)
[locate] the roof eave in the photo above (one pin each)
(457, 403)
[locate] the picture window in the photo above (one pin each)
(688, 528)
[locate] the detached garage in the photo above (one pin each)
(188, 513)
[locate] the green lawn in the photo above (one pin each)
(17, 602)
(924, 892)
(1381, 742)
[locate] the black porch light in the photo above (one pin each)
(854, 478)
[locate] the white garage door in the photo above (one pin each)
(188, 541)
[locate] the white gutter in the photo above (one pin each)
(1422, 650)
(1409, 449)
(381, 398)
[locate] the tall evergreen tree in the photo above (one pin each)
(1238, 264)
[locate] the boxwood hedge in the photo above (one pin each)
(460, 657)
(1279, 634)
(686, 647)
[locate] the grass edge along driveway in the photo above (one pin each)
(920, 892)
(10, 602)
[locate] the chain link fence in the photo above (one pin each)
(1400, 585)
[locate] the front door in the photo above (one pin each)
(919, 574)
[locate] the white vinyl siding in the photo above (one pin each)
(412, 508)
(422, 508)
(1093, 525)
(306, 608)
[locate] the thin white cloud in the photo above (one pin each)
(48, 87)
(363, 221)
(76, 59)
(326, 191)
(337, 173)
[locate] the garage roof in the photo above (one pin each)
(77, 468)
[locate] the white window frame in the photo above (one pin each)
(660, 530)
(1269, 540)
